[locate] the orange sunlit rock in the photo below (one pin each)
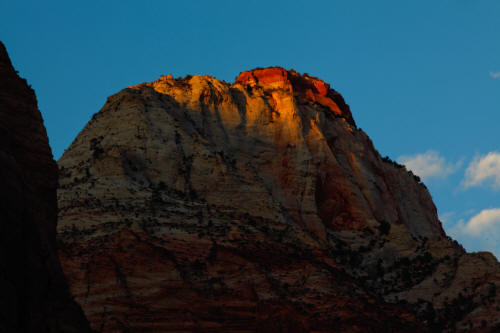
(306, 89)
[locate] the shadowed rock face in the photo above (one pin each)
(35, 296)
(196, 205)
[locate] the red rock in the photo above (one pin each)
(307, 89)
(263, 76)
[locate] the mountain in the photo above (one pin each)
(192, 204)
(35, 295)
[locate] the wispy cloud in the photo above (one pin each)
(485, 168)
(495, 75)
(447, 218)
(487, 221)
(429, 165)
(480, 232)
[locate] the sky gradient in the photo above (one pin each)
(422, 78)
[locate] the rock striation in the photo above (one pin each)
(35, 295)
(191, 204)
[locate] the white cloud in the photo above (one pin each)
(486, 222)
(483, 169)
(495, 75)
(480, 232)
(428, 165)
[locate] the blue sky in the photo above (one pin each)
(422, 77)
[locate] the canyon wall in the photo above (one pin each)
(35, 295)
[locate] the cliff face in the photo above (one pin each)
(194, 204)
(35, 296)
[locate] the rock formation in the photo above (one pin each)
(192, 204)
(35, 296)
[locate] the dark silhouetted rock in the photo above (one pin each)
(34, 294)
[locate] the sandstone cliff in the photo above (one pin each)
(197, 205)
(35, 296)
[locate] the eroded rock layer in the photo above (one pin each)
(197, 205)
(35, 296)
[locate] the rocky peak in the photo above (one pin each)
(255, 206)
(304, 88)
